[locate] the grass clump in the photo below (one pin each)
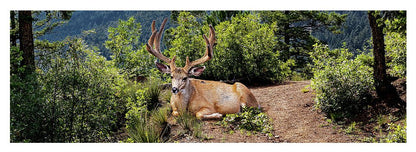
(190, 124)
(149, 127)
(153, 91)
(141, 129)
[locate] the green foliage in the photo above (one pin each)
(153, 92)
(396, 47)
(351, 128)
(216, 17)
(136, 100)
(123, 43)
(397, 134)
(46, 21)
(250, 119)
(26, 118)
(305, 89)
(15, 59)
(72, 96)
(141, 129)
(148, 126)
(341, 84)
(145, 121)
(245, 51)
(190, 123)
(293, 31)
(186, 39)
(395, 21)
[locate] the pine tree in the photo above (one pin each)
(26, 41)
(294, 28)
(384, 88)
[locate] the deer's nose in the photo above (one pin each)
(175, 90)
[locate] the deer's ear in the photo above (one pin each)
(162, 68)
(197, 71)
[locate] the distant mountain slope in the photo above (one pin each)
(355, 33)
(100, 21)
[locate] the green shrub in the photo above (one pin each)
(70, 98)
(190, 123)
(127, 54)
(397, 134)
(396, 54)
(250, 119)
(342, 85)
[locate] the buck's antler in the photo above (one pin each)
(208, 53)
(154, 40)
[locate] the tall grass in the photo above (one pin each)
(190, 123)
(142, 129)
(150, 127)
(153, 92)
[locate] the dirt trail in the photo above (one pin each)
(294, 117)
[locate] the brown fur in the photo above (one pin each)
(203, 98)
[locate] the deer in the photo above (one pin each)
(204, 99)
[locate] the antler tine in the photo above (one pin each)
(208, 53)
(159, 34)
(154, 40)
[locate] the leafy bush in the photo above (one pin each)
(27, 118)
(70, 97)
(127, 54)
(342, 85)
(396, 54)
(250, 119)
(397, 134)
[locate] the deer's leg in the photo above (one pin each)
(174, 108)
(205, 113)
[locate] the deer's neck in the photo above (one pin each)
(185, 94)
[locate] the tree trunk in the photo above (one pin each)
(26, 41)
(385, 90)
(13, 37)
(286, 33)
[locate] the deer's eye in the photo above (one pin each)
(184, 79)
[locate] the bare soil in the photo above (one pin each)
(294, 117)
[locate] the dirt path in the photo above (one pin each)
(294, 117)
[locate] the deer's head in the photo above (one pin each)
(179, 74)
